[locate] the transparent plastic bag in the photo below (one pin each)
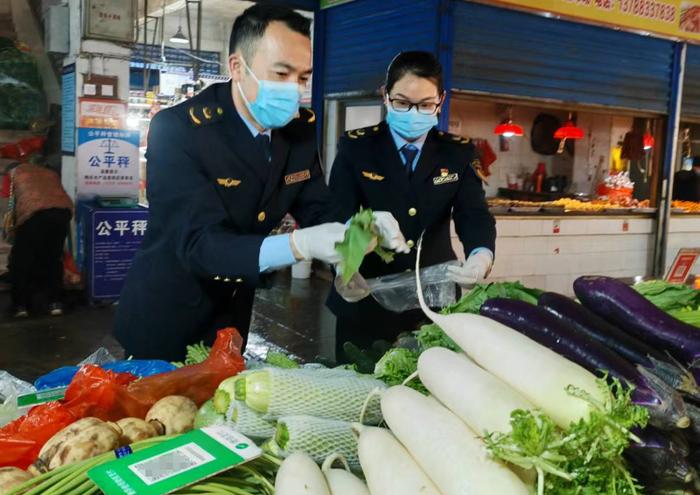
(11, 388)
(99, 357)
(398, 292)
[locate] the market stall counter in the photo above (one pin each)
(551, 250)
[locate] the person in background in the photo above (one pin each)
(43, 211)
(224, 167)
(686, 183)
(425, 178)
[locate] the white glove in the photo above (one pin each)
(389, 229)
(318, 242)
(475, 269)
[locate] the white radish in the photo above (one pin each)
(299, 475)
(387, 465)
(477, 397)
(449, 452)
(535, 371)
(342, 481)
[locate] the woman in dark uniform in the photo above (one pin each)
(423, 176)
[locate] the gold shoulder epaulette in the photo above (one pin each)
(453, 138)
(204, 114)
(363, 132)
(307, 115)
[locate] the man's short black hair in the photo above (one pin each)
(420, 64)
(250, 26)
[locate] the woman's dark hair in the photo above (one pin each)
(250, 26)
(420, 64)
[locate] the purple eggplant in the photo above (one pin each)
(632, 349)
(622, 305)
(666, 407)
(657, 458)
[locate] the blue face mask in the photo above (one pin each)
(411, 124)
(276, 104)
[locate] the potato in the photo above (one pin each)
(136, 429)
(88, 443)
(48, 451)
(174, 413)
(11, 477)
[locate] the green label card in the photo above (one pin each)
(42, 397)
(175, 463)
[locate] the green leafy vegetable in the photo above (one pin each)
(196, 354)
(280, 360)
(687, 315)
(433, 336)
(667, 296)
(396, 366)
(359, 236)
(584, 459)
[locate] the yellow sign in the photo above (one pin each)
(672, 18)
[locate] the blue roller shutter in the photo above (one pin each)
(364, 35)
(500, 51)
(691, 85)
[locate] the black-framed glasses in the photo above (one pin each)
(426, 107)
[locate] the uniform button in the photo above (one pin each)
(410, 243)
(227, 279)
(262, 216)
(217, 278)
(239, 280)
(412, 212)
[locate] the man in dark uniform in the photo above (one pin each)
(223, 170)
(425, 178)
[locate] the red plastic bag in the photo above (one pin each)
(199, 381)
(112, 396)
(22, 439)
(99, 393)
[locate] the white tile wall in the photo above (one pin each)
(528, 250)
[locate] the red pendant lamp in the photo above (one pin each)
(507, 128)
(569, 130)
(648, 138)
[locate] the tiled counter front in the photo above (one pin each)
(684, 232)
(551, 252)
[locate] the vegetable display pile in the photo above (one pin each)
(508, 391)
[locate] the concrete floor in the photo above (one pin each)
(291, 316)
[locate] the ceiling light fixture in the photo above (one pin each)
(569, 130)
(507, 128)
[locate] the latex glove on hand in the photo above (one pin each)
(474, 270)
(389, 229)
(318, 242)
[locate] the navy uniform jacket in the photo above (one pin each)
(368, 172)
(212, 199)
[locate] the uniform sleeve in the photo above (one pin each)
(187, 210)
(474, 223)
(343, 184)
(315, 204)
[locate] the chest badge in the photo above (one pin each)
(302, 176)
(372, 176)
(445, 177)
(228, 182)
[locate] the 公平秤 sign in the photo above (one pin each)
(108, 163)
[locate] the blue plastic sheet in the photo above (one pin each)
(61, 377)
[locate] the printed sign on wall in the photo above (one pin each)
(108, 163)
